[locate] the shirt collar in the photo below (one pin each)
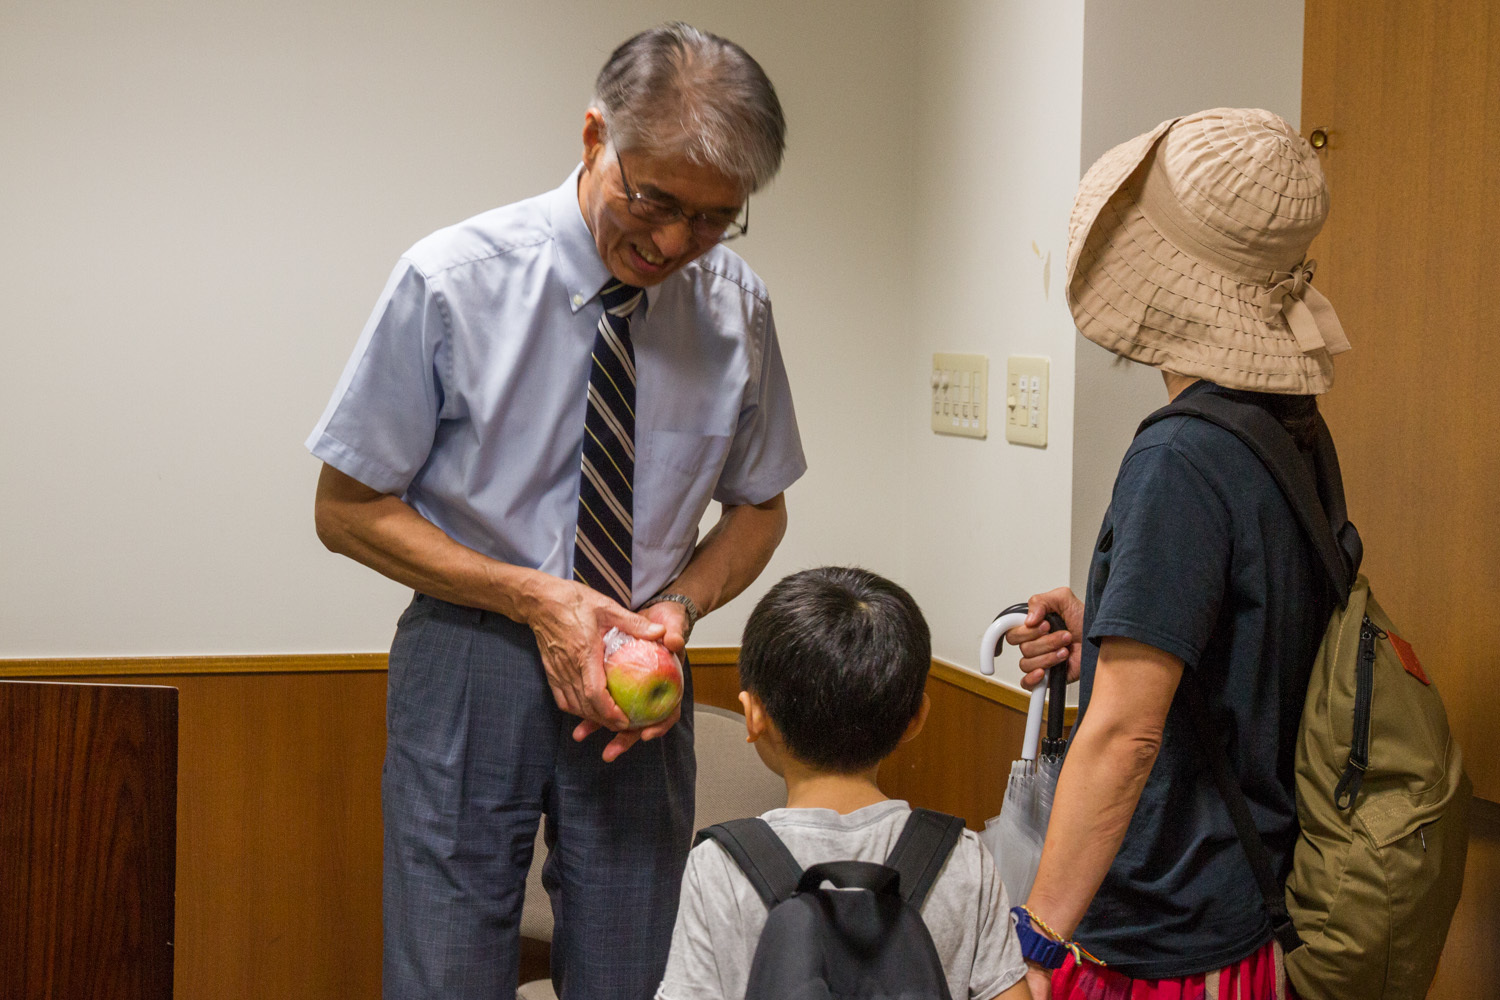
(578, 262)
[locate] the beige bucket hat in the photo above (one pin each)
(1187, 251)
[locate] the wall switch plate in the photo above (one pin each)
(960, 394)
(1026, 400)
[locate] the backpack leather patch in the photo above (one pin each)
(1408, 657)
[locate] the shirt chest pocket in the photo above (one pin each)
(676, 472)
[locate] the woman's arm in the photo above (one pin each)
(1110, 757)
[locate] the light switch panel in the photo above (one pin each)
(960, 394)
(1026, 394)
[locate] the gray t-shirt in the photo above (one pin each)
(720, 917)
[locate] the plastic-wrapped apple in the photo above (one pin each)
(643, 677)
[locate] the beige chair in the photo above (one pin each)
(732, 782)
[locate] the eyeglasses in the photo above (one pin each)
(707, 227)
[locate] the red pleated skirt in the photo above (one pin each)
(1259, 976)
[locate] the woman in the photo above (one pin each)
(1186, 252)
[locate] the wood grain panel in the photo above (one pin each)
(1470, 966)
(716, 684)
(960, 761)
(279, 835)
(1409, 91)
(87, 813)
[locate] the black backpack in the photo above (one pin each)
(820, 943)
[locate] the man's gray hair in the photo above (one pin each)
(675, 90)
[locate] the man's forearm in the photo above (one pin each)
(390, 537)
(733, 553)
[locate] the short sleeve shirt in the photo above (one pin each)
(467, 391)
(720, 916)
(1201, 556)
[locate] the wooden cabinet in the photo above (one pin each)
(88, 799)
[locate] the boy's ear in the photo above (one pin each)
(755, 716)
(917, 721)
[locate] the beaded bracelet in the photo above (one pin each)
(1079, 952)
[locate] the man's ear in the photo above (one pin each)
(756, 720)
(917, 721)
(594, 139)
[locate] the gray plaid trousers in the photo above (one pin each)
(477, 753)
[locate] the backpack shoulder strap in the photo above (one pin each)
(1316, 495)
(922, 850)
(760, 854)
(1239, 814)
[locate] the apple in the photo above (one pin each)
(643, 678)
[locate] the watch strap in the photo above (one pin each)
(1035, 946)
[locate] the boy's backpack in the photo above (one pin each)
(819, 943)
(1382, 798)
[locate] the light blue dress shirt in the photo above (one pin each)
(466, 393)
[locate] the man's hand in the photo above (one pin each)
(673, 618)
(625, 739)
(1042, 648)
(569, 621)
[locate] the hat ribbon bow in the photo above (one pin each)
(1307, 311)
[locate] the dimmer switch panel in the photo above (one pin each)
(1026, 401)
(960, 394)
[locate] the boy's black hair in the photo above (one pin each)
(839, 657)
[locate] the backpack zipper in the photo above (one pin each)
(1347, 789)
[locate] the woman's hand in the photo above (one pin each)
(1042, 648)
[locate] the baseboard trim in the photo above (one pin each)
(326, 663)
(188, 666)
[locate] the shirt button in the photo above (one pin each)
(578, 300)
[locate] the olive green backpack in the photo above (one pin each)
(1382, 798)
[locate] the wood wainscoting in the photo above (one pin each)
(278, 819)
(278, 812)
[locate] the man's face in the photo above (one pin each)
(636, 251)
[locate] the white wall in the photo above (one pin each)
(201, 202)
(1145, 62)
(202, 199)
(997, 139)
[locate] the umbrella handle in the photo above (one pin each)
(1003, 623)
(1008, 620)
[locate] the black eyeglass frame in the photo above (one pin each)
(661, 214)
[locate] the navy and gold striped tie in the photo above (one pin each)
(605, 495)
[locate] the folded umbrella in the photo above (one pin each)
(1015, 836)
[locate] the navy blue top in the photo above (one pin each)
(1200, 555)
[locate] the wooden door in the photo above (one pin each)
(1409, 94)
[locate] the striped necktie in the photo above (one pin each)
(602, 558)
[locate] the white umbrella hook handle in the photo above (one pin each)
(992, 637)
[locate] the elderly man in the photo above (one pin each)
(539, 410)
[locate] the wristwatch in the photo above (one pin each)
(1036, 946)
(687, 604)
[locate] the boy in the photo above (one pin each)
(834, 664)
